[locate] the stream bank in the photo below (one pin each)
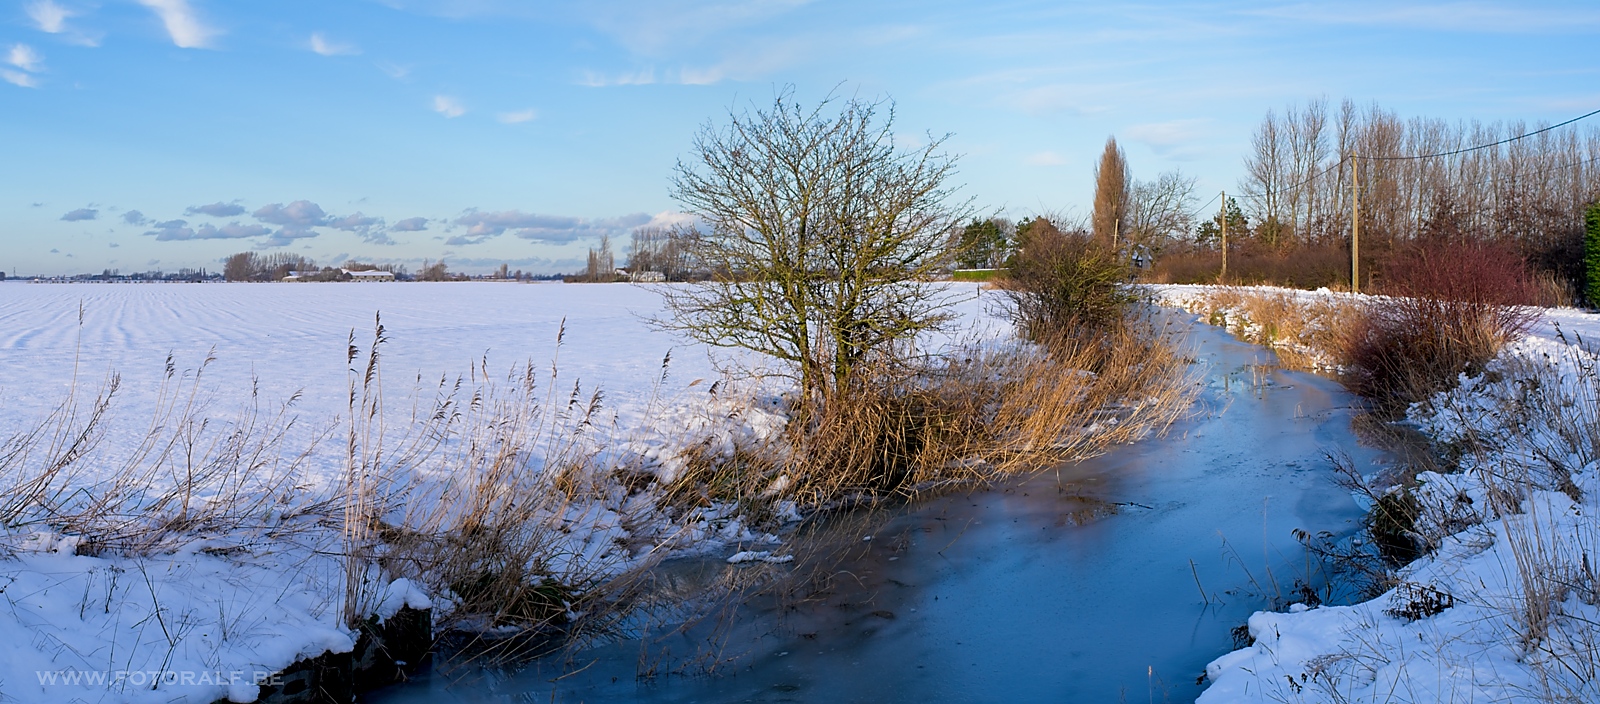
(1116, 577)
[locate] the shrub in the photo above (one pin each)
(1062, 282)
(1449, 310)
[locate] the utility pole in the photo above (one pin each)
(1355, 225)
(1224, 273)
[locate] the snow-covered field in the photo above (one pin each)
(204, 619)
(1504, 606)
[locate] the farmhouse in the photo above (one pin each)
(370, 275)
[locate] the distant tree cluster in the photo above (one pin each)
(664, 250)
(438, 271)
(504, 273)
(985, 243)
(255, 266)
(1531, 192)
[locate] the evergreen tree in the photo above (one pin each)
(1591, 254)
(983, 245)
(1210, 232)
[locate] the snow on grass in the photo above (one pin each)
(1504, 605)
(225, 597)
(1302, 326)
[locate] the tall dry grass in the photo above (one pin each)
(1306, 331)
(990, 413)
(190, 473)
(467, 495)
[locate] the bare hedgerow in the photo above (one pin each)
(1451, 307)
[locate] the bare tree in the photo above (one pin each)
(1111, 194)
(1161, 210)
(240, 267)
(433, 271)
(1267, 173)
(821, 236)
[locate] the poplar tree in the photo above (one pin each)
(1109, 221)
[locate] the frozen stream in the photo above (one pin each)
(1074, 585)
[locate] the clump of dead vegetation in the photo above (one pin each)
(1449, 309)
(1304, 329)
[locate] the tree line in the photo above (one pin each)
(1417, 180)
(255, 266)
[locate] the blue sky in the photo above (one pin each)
(141, 134)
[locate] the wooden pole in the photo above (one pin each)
(1355, 225)
(1224, 274)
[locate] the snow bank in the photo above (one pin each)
(1504, 606)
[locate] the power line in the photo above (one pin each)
(1464, 150)
(1453, 152)
(1496, 179)
(1202, 208)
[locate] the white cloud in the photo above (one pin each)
(1046, 158)
(24, 57)
(760, 59)
(179, 231)
(230, 231)
(321, 45)
(370, 228)
(1176, 139)
(18, 78)
(659, 27)
(299, 214)
(172, 230)
(448, 106)
(520, 116)
(1471, 16)
(393, 70)
(48, 16)
(595, 79)
(1071, 98)
(551, 229)
(182, 23)
(410, 225)
(81, 214)
(216, 210)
